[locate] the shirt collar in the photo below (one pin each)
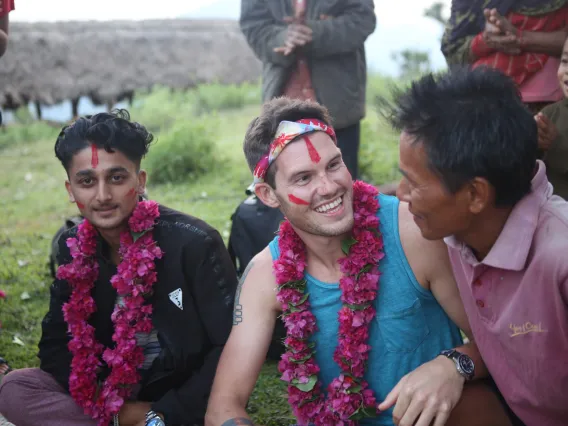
(512, 247)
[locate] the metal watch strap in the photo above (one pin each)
(151, 414)
(455, 357)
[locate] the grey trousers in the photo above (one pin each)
(32, 397)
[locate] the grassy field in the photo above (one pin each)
(33, 201)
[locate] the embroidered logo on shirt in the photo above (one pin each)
(526, 328)
(176, 298)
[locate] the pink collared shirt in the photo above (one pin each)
(516, 300)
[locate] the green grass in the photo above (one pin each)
(33, 205)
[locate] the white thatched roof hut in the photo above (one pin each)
(48, 63)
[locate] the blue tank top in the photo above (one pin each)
(410, 327)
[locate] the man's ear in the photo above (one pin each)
(68, 188)
(141, 186)
(266, 194)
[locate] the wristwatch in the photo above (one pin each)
(152, 419)
(464, 363)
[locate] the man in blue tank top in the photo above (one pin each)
(371, 308)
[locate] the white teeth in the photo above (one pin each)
(327, 207)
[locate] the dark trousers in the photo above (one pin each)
(348, 142)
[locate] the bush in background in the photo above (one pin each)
(183, 152)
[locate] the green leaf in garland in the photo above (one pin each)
(298, 285)
(366, 268)
(363, 412)
(136, 235)
(346, 244)
(306, 387)
(302, 300)
(305, 401)
(358, 307)
(302, 360)
(355, 389)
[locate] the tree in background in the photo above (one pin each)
(411, 62)
(435, 12)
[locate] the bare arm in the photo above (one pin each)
(445, 290)
(256, 309)
(548, 43)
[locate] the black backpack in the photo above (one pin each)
(254, 225)
(70, 222)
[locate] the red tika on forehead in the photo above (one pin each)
(94, 156)
(314, 155)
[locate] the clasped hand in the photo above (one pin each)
(500, 34)
(427, 394)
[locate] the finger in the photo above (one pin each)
(411, 411)
(288, 19)
(427, 415)
(305, 30)
(443, 415)
(392, 396)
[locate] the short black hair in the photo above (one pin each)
(472, 123)
(262, 129)
(110, 131)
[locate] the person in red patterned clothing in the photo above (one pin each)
(522, 38)
(314, 50)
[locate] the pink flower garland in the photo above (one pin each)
(134, 280)
(349, 397)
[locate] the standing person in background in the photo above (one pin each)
(313, 50)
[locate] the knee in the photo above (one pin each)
(13, 386)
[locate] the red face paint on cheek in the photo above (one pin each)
(314, 155)
(94, 156)
(80, 205)
(297, 200)
(131, 193)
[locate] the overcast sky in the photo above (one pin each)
(400, 23)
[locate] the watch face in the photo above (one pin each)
(466, 364)
(155, 422)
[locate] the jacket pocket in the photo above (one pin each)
(403, 330)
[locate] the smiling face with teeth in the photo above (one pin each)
(315, 196)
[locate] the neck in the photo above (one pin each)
(324, 251)
(481, 237)
(112, 237)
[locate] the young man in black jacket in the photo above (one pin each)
(142, 305)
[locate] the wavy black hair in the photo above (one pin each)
(472, 123)
(110, 131)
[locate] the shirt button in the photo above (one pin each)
(480, 303)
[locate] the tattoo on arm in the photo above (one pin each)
(240, 421)
(238, 310)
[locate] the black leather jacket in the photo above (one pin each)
(191, 339)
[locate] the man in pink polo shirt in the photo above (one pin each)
(470, 175)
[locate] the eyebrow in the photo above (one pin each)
(90, 172)
(402, 172)
(301, 172)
